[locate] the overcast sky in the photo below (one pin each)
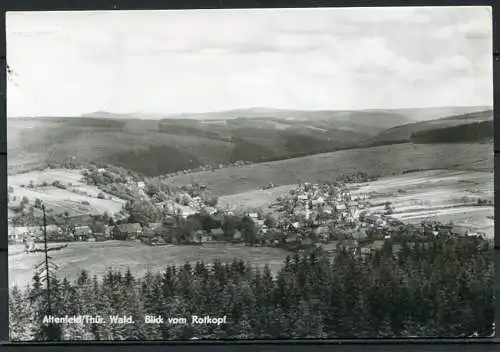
(71, 63)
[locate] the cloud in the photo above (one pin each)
(213, 60)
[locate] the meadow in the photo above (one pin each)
(97, 257)
(442, 195)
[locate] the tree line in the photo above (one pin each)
(472, 132)
(444, 289)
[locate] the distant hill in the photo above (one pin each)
(466, 133)
(404, 132)
(434, 113)
(157, 145)
(353, 120)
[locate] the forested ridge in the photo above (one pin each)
(444, 289)
(466, 133)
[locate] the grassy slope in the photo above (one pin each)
(62, 200)
(383, 160)
(261, 134)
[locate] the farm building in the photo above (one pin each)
(375, 220)
(82, 233)
(127, 231)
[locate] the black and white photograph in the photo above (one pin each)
(316, 173)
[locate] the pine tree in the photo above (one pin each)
(19, 316)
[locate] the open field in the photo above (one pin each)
(98, 256)
(443, 195)
(62, 200)
(253, 199)
(383, 160)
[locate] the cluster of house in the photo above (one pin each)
(322, 202)
(310, 212)
(194, 206)
(55, 233)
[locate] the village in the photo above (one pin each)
(310, 215)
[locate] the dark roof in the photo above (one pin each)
(129, 227)
(149, 233)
